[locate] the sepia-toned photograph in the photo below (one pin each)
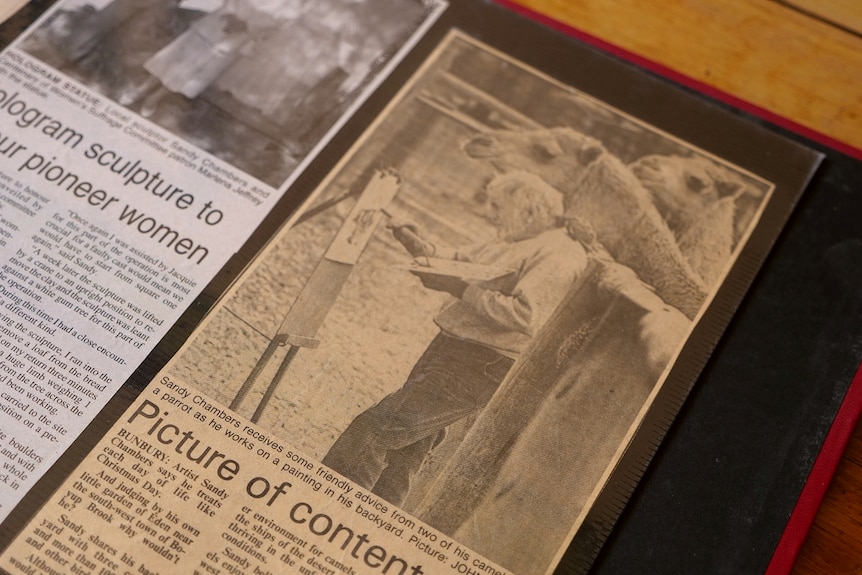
(256, 83)
(471, 315)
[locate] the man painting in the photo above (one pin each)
(484, 327)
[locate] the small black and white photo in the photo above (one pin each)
(481, 300)
(256, 83)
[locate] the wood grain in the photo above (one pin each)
(843, 13)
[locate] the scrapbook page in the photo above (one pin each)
(456, 356)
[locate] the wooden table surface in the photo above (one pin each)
(800, 59)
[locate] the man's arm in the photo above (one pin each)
(542, 284)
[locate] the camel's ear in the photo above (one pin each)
(548, 148)
(589, 154)
(695, 183)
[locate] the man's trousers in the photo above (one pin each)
(385, 446)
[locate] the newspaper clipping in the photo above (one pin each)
(443, 353)
(134, 163)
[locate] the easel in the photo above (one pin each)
(300, 325)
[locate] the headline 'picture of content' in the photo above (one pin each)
(480, 300)
(256, 83)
